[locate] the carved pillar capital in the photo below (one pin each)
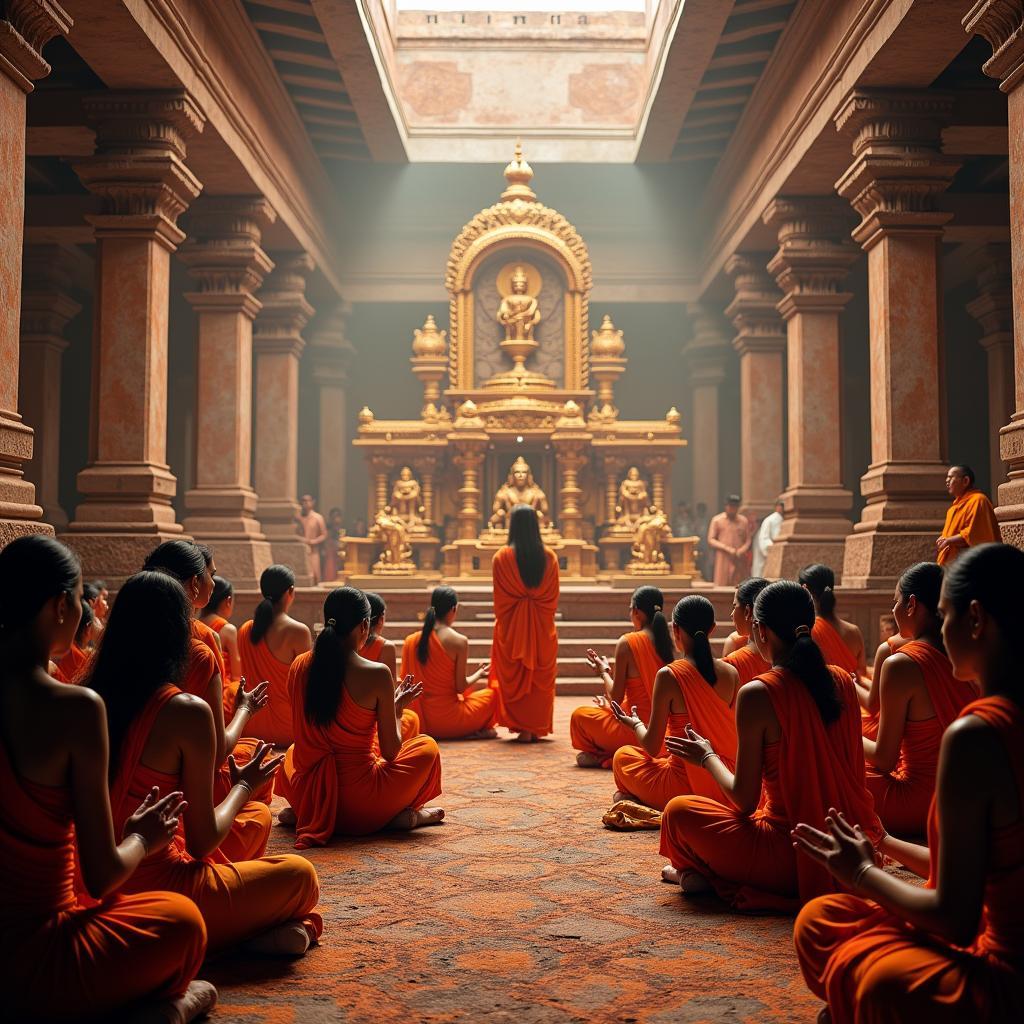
(26, 26)
(708, 346)
(753, 310)
(1001, 23)
(46, 303)
(285, 311)
(331, 351)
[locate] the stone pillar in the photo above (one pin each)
(761, 343)
(993, 309)
(278, 344)
(469, 458)
(332, 355)
(26, 27)
(139, 174)
(814, 257)
(1002, 25)
(898, 169)
(46, 308)
(706, 353)
(224, 256)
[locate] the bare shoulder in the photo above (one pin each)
(76, 706)
(851, 630)
(187, 711)
(726, 670)
(229, 630)
(622, 644)
(297, 632)
(753, 699)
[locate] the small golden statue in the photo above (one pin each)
(396, 558)
(633, 502)
(519, 311)
(519, 489)
(405, 500)
(647, 557)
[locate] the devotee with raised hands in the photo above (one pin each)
(333, 779)
(952, 950)
(436, 656)
(68, 955)
(918, 698)
(378, 649)
(841, 642)
(695, 689)
(798, 730)
(524, 651)
(639, 656)
(268, 644)
(970, 520)
(160, 736)
(217, 615)
(745, 657)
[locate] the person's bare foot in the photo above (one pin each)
(410, 818)
(286, 816)
(671, 875)
(619, 795)
(196, 1001)
(524, 737)
(288, 939)
(693, 883)
(587, 760)
(483, 734)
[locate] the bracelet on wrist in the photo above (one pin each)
(142, 839)
(858, 878)
(710, 754)
(245, 785)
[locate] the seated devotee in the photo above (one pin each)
(160, 736)
(436, 657)
(918, 698)
(69, 954)
(268, 644)
(217, 614)
(952, 950)
(970, 520)
(798, 729)
(73, 665)
(383, 651)
(639, 656)
(101, 602)
(696, 689)
(745, 657)
(335, 782)
(841, 642)
(524, 651)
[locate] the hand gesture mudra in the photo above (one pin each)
(156, 819)
(252, 700)
(630, 721)
(598, 663)
(692, 747)
(481, 673)
(406, 692)
(844, 849)
(257, 771)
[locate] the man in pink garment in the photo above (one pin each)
(314, 532)
(729, 536)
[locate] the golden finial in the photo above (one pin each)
(672, 417)
(607, 342)
(518, 174)
(429, 341)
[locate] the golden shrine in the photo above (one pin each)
(518, 419)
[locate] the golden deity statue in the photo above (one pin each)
(519, 489)
(391, 532)
(633, 500)
(405, 500)
(651, 530)
(519, 312)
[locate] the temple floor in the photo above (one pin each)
(521, 907)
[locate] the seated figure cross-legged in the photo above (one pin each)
(745, 657)
(381, 650)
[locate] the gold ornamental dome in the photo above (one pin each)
(428, 340)
(607, 343)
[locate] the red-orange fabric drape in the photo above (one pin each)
(833, 647)
(274, 722)
(747, 662)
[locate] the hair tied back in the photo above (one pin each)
(332, 623)
(802, 631)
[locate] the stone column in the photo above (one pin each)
(224, 256)
(1002, 25)
(706, 353)
(139, 174)
(993, 309)
(46, 308)
(761, 343)
(332, 355)
(898, 169)
(26, 27)
(814, 257)
(278, 344)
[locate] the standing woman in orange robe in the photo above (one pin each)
(952, 950)
(524, 651)
(919, 697)
(697, 689)
(217, 614)
(65, 958)
(745, 657)
(798, 727)
(335, 782)
(841, 642)
(383, 651)
(449, 708)
(162, 737)
(268, 644)
(639, 656)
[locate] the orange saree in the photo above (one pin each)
(410, 724)
(748, 663)
(833, 647)
(274, 722)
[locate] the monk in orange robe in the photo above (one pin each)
(745, 657)
(217, 615)
(69, 956)
(799, 735)
(524, 651)
(378, 649)
(268, 644)
(334, 781)
(266, 903)
(919, 698)
(951, 951)
(970, 520)
(639, 656)
(841, 642)
(696, 689)
(435, 656)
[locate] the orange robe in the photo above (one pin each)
(748, 663)
(873, 968)
(237, 901)
(334, 781)
(903, 796)
(72, 957)
(74, 664)
(410, 723)
(524, 651)
(274, 722)
(749, 859)
(833, 646)
(445, 714)
(654, 781)
(973, 518)
(595, 730)
(230, 685)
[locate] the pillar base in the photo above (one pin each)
(1010, 507)
(277, 517)
(814, 531)
(878, 557)
(114, 554)
(224, 519)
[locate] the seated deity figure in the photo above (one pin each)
(651, 529)
(519, 489)
(633, 499)
(405, 500)
(390, 530)
(519, 312)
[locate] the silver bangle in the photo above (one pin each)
(861, 872)
(142, 839)
(245, 785)
(707, 756)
